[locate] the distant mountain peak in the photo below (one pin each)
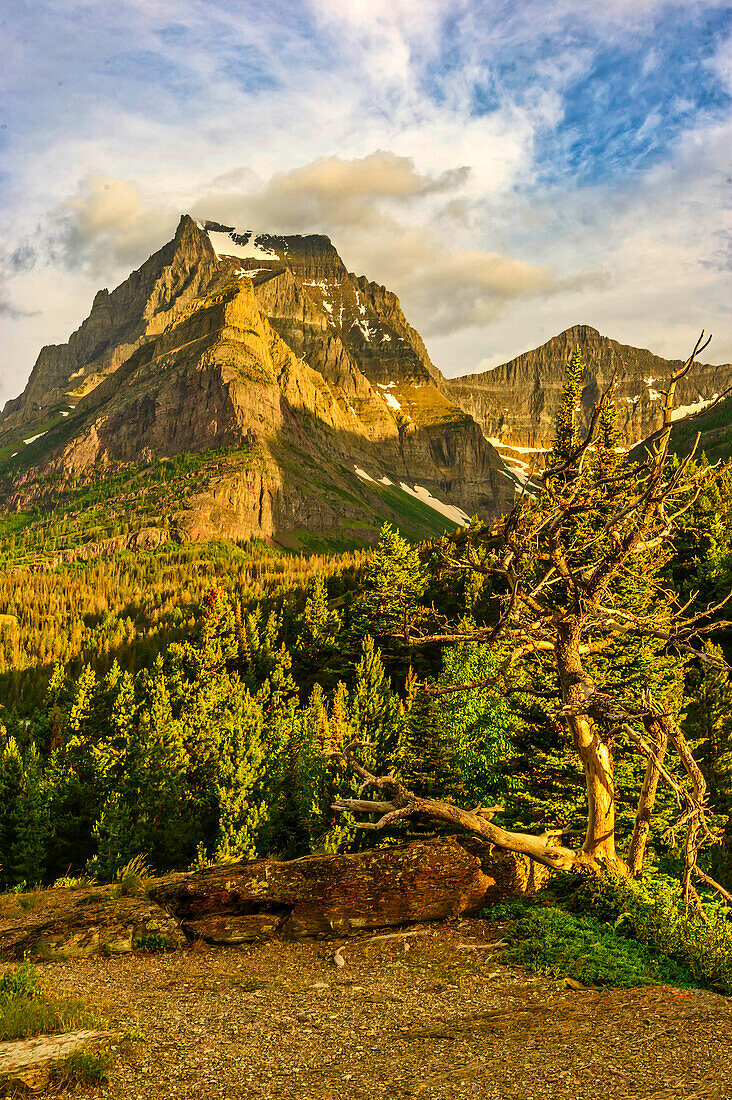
(515, 403)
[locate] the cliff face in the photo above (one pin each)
(315, 398)
(515, 403)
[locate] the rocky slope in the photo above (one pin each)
(515, 403)
(309, 401)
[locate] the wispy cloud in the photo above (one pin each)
(507, 166)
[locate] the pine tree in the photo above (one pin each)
(389, 604)
(375, 709)
(566, 437)
(31, 821)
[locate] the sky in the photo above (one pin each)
(508, 168)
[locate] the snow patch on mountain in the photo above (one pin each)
(697, 406)
(246, 248)
(450, 511)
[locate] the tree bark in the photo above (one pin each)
(658, 738)
(576, 688)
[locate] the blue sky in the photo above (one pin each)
(508, 168)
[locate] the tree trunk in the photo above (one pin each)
(659, 740)
(576, 688)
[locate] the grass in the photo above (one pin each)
(31, 900)
(26, 1010)
(84, 1068)
(132, 879)
(609, 931)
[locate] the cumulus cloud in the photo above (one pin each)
(508, 168)
(330, 193)
(107, 224)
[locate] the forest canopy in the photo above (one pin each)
(193, 704)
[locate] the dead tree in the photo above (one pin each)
(556, 563)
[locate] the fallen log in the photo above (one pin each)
(29, 1065)
(243, 902)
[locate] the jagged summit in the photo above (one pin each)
(308, 254)
(515, 403)
(311, 402)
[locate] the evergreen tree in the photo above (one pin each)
(389, 604)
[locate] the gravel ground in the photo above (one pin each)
(437, 1021)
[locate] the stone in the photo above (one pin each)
(72, 924)
(319, 895)
(345, 894)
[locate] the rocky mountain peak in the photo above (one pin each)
(515, 403)
(313, 397)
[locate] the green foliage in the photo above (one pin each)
(389, 603)
(20, 982)
(179, 706)
(84, 1068)
(654, 913)
(566, 437)
(151, 945)
(483, 724)
(607, 930)
(25, 1009)
(550, 940)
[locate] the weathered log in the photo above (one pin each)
(342, 894)
(28, 1065)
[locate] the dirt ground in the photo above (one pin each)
(440, 1021)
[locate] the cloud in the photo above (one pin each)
(330, 193)
(509, 167)
(106, 225)
(13, 312)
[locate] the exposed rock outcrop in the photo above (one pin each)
(29, 1065)
(315, 895)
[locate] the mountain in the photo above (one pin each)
(515, 403)
(241, 386)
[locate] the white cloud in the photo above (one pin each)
(106, 225)
(358, 118)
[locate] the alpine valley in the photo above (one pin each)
(243, 386)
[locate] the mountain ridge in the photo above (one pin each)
(534, 380)
(316, 398)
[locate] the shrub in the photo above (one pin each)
(151, 944)
(72, 883)
(654, 913)
(607, 930)
(550, 940)
(21, 982)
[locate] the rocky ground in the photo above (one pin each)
(433, 1016)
